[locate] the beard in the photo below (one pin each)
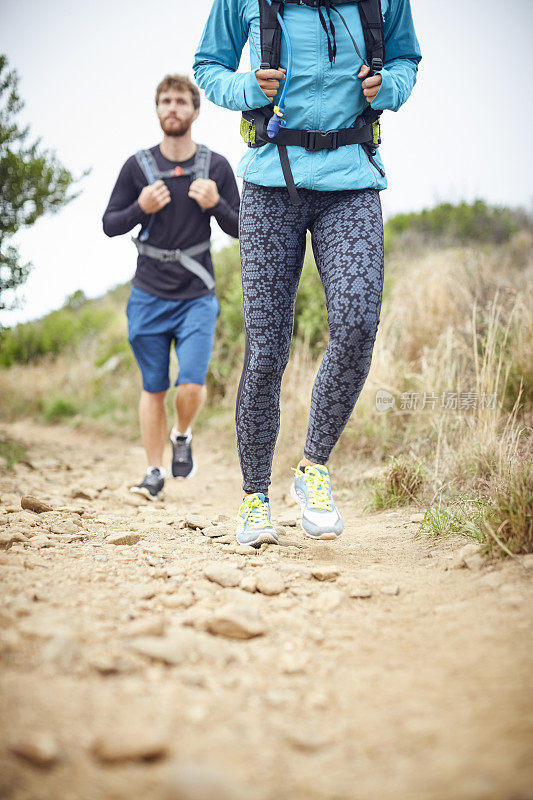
(176, 127)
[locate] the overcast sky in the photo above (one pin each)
(88, 72)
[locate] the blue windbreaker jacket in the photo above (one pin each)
(319, 97)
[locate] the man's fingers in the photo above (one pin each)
(363, 72)
(158, 184)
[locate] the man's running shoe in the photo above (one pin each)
(255, 527)
(152, 485)
(312, 491)
(183, 464)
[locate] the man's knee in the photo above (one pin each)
(191, 389)
(154, 397)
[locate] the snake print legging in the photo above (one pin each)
(347, 237)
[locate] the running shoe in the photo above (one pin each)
(255, 527)
(183, 463)
(152, 484)
(312, 491)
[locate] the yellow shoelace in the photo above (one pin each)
(257, 512)
(318, 484)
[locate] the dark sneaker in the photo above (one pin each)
(183, 464)
(152, 485)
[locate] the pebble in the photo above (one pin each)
(245, 550)
(220, 518)
(215, 531)
(360, 592)
(39, 541)
(145, 591)
(193, 521)
(293, 663)
(7, 540)
(269, 581)
(31, 503)
(325, 573)
(329, 600)
(308, 741)
(248, 583)
(465, 557)
(288, 521)
(179, 600)
(392, 589)
(417, 517)
(130, 744)
(235, 622)
(223, 574)
(169, 650)
(78, 493)
(123, 538)
(146, 626)
(39, 749)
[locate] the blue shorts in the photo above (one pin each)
(152, 325)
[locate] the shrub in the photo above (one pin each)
(58, 408)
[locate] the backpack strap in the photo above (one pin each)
(202, 162)
(374, 33)
(270, 33)
(148, 166)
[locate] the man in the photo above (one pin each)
(312, 165)
(172, 190)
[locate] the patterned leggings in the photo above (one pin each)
(347, 237)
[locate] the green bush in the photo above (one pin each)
(57, 408)
(51, 334)
(459, 224)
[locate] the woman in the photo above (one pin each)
(312, 165)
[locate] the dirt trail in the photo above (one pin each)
(117, 680)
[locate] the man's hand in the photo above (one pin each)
(370, 85)
(205, 192)
(154, 197)
(268, 80)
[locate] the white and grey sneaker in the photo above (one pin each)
(312, 491)
(152, 484)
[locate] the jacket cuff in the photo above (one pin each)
(386, 98)
(254, 96)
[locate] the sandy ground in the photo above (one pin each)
(378, 668)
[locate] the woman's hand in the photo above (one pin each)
(268, 80)
(370, 85)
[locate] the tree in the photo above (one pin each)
(32, 182)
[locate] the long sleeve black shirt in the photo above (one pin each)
(180, 224)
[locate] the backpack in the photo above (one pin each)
(148, 165)
(264, 125)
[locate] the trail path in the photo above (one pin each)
(117, 680)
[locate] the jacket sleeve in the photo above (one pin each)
(217, 59)
(123, 212)
(226, 211)
(402, 56)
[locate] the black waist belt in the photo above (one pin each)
(323, 140)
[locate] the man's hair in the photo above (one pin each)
(182, 83)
